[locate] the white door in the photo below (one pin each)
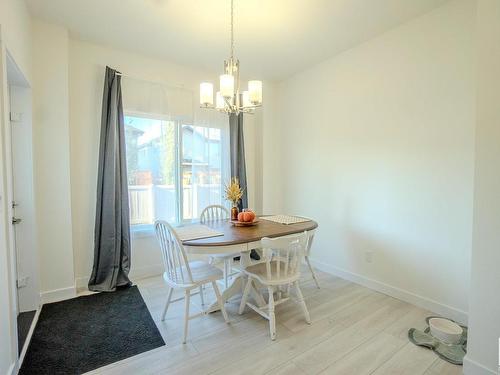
(23, 211)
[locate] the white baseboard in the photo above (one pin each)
(82, 283)
(136, 273)
(58, 294)
(404, 295)
(471, 367)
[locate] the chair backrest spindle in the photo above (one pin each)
(213, 213)
(174, 257)
(282, 255)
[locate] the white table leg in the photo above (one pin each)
(259, 300)
(233, 290)
(237, 286)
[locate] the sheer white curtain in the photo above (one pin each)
(177, 154)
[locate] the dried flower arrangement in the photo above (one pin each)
(233, 192)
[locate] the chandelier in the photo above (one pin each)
(229, 99)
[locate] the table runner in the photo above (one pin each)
(196, 231)
(285, 219)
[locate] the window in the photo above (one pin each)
(174, 169)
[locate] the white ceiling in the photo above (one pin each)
(274, 38)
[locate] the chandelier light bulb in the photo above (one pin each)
(227, 85)
(255, 92)
(219, 101)
(245, 99)
(206, 94)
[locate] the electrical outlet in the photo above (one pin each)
(22, 282)
(368, 256)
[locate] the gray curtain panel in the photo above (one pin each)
(112, 227)
(237, 148)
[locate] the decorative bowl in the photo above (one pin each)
(237, 223)
(445, 330)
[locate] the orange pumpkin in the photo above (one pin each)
(246, 216)
(252, 215)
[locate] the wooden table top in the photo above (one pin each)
(237, 235)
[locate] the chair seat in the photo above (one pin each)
(259, 272)
(202, 272)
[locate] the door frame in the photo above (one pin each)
(6, 194)
(5, 212)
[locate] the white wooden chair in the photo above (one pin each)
(310, 239)
(214, 213)
(179, 273)
(280, 268)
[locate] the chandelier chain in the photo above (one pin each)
(232, 29)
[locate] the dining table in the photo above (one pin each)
(242, 239)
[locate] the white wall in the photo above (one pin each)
(52, 160)
(378, 146)
(86, 67)
(484, 317)
(270, 146)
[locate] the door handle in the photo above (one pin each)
(16, 220)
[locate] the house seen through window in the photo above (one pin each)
(174, 169)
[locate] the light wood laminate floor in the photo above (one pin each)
(354, 331)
